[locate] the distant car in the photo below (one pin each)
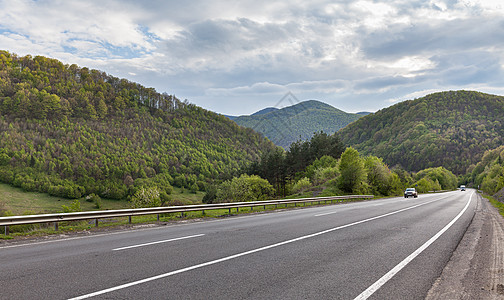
(410, 192)
(462, 188)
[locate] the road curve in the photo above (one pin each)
(383, 249)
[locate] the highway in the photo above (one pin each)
(391, 248)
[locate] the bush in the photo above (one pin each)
(146, 197)
(210, 195)
(245, 188)
(94, 198)
(302, 185)
(74, 207)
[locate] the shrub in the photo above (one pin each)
(245, 188)
(94, 198)
(302, 185)
(146, 197)
(74, 207)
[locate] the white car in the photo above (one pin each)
(410, 192)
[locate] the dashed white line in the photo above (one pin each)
(158, 242)
(127, 285)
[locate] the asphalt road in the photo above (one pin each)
(383, 249)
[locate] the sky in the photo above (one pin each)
(237, 57)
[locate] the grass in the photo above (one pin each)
(499, 205)
(19, 202)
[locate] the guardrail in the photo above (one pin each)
(96, 215)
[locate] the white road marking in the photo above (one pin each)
(334, 212)
(337, 211)
(158, 242)
(380, 282)
(127, 285)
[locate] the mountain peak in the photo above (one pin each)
(299, 121)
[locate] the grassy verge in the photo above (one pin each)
(499, 205)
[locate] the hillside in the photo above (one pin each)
(450, 129)
(70, 131)
(287, 125)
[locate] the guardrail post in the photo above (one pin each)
(96, 222)
(56, 226)
(158, 217)
(6, 229)
(182, 214)
(230, 211)
(237, 209)
(129, 219)
(251, 208)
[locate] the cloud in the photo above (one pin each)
(238, 55)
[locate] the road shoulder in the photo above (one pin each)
(476, 268)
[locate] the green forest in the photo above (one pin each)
(70, 132)
(450, 129)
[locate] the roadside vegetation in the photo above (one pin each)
(323, 167)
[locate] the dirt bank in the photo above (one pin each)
(476, 269)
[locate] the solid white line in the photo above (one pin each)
(380, 282)
(123, 286)
(158, 242)
(333, 212)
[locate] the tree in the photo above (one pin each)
(353, 174)
(381, 180)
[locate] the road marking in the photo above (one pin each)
(158, 242)
(127, 285)
(380, 282)
(334, 212)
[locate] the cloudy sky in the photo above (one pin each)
(236, 57)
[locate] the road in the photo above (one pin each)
(391, 248)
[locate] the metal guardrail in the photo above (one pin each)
(96, 215)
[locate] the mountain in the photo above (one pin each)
(265, 111)
(297, 122)
(451, 129)
(70, 131)
(364, 113)
(257, 113)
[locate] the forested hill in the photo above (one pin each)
(297, 122)
(450, 129)
(71, 131)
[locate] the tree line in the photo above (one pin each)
(323, 166)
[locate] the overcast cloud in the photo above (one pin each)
(236, 57)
